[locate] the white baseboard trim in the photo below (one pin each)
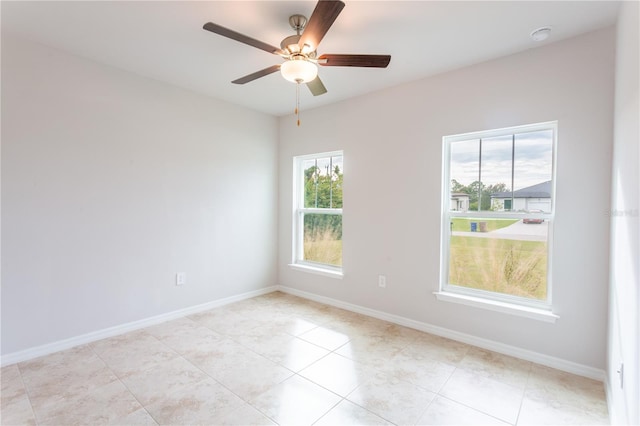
(609, 395)
(538, 358)
(527, 355)
(27, 354)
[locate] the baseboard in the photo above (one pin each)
(538, 358)
(61, 345)
(609, 395)
(527, 355)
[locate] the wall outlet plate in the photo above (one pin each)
(621, 375)
(382, 281)
(181, 278)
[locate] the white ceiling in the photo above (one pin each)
(164, 40)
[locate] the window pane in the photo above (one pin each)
(495, 169)
(322, 239)
(311, 177)
(336, 182)
(533, 171)
(323, 182)
(504, 256)
(464, 171)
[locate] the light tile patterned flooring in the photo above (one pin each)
(279, 359)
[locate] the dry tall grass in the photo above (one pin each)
(323, 246)
(517, 268)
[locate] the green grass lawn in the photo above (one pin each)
(514, 267)
(464, 224)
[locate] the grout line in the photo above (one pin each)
(524, 392)
(455, 368)
(123, 383)
(200, 369)
(230, 338)
(474, 409)
(375, 414)
(328, 411)
(427, 407)
(27, 393)
(404, 343)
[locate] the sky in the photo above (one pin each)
(324, 162)
(532, 160)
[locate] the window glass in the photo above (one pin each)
(498, 218)
(322, 239)
(507, 262)
(533, 168)
(464, 169)
(323, 182)
(318, 236)
(496, 166)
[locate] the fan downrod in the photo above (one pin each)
(290, 44)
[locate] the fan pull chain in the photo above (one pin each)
(297, 111)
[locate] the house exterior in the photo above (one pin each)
(459, 202)
(536, 197)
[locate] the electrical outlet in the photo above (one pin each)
(621, 374)
(382, 281)
(181, 278)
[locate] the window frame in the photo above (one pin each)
(451, 291)
(297, 250)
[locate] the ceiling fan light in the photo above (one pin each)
(299, 70)
(293, 48)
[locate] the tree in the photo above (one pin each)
(323, 189)
(498, 187)
(457, 186)
(478, 191)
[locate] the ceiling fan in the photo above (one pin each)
(300, 50)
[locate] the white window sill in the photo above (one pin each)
(493, 305)
(315, 270)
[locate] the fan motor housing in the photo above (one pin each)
(290, 44)
(288, 41)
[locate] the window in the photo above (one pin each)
(317, 240)
(498, 204)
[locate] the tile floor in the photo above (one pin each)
(279, 359)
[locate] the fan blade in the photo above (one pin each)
(226, 32)
(257, 74)
(321, 19)
(316, 87)
(375, 61)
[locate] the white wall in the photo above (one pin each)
(111, 183)
(624, 299)
(392, 189)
